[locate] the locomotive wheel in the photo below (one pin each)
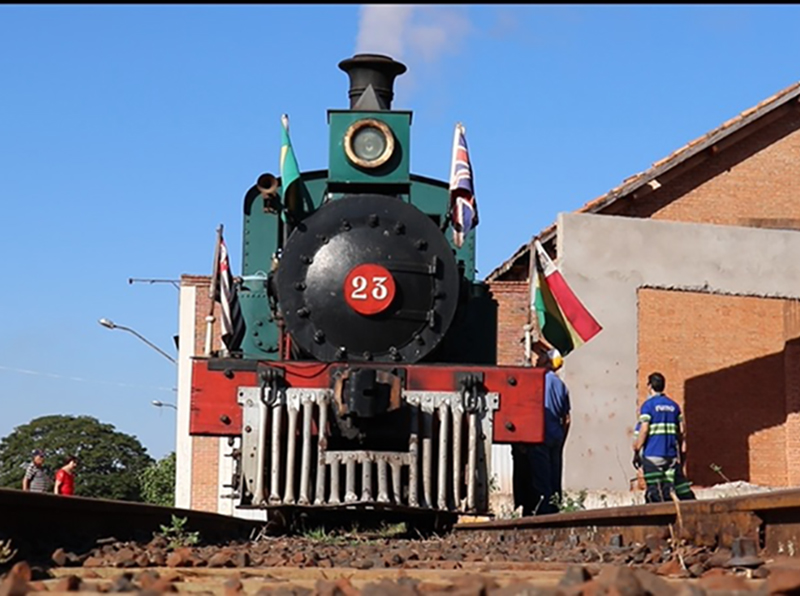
(295, 520)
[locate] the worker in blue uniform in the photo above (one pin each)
(659, 446)
(539, 467)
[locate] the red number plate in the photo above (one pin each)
(369, 289)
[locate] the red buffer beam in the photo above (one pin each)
(215, 382)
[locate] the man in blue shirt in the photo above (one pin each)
(539, 467)
(659, 446)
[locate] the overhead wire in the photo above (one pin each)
(81, 379)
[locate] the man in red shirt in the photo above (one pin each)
(65, 477)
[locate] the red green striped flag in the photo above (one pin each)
(562, 319)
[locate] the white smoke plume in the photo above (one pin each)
(382, 29)
(408, 32)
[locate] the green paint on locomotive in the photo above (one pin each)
(472, 338)
(346, 175)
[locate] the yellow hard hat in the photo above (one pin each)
(556, 358)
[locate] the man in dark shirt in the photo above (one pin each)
(659, 447)
(539, 468)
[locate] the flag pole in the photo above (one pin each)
(533, 332)
(528, 327)
(212, 293)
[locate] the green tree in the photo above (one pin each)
(109, 462)
(158, 481)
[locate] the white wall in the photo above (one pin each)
(183, 447)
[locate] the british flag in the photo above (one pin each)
(463, 207)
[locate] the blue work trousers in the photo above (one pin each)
(538, 470)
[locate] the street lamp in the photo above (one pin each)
(111, 325)
(161, 404)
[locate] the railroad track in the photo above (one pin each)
(771, 520)
(766, 524)
(38, 523)
(110, 544)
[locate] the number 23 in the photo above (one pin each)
(379, 291)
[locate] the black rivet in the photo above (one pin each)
(512, 381)
(367, 356)
(340, 352)
(421, 244)
(228, 373)
(373, 220)
(306, 259)
(248, 429)
(420, 339)
(319, 336)
(259, 343)
(225, 419)
(259, 323)
(510, 426)
(299, 286)
(399, 228)
(393, 353)
(345, 225)
(255, 333)
(303, 312)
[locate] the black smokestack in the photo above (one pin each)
(376, 70)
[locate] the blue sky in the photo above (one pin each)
(128, 133)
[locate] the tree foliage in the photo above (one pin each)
(158, 481)
(109, 462)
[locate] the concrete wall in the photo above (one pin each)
(606, 259)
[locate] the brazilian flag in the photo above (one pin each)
(294, 192)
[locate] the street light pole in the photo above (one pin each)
(161, 404)
(111, 325)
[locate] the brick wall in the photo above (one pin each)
(205, 450)
(753, 183)
(791, 363)
(202, 305)
(205, 473)
(724, 361)
(756, 187)
(512, 314)
(746, 346)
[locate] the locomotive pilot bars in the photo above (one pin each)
(429, 473)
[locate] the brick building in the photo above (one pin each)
(691, 267)
(203, 464)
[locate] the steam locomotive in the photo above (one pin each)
(367, 377)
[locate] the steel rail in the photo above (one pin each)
(38, 523)
(771, 519)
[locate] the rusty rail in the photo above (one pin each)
(37, 523)
(771, 519)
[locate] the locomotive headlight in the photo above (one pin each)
(369, 143)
